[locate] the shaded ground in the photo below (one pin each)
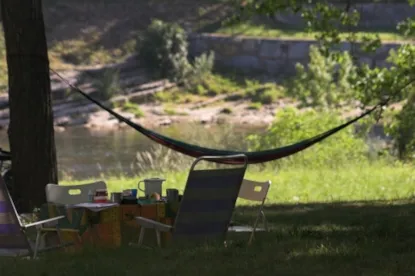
(360, 238)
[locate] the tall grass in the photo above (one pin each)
(351, 182)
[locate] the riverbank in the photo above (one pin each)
(154, 115)
(221, 99)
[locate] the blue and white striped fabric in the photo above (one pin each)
(12, 239)
(208, 203)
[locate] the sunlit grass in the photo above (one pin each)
(351, 182)
(257, 30)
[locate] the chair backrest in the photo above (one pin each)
(13, 241)
(208, 201)
(254, 190)
(71, 194)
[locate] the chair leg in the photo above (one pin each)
(59, 234)
(158, 238)
(141, 237)
(264, 221)
(37, 242)
(251, 237)
(78, 237)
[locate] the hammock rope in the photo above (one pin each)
(197, 151)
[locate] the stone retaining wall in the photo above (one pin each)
(270, 56)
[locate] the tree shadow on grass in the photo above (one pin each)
(357, 238)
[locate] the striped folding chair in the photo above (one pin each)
(13, 238)
(206, 207)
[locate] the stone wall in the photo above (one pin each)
(270, 56)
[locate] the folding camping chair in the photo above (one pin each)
(253, 191)
(58, 196)
(61, 194)
(13, 236)
(207, 205)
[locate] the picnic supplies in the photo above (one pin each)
(151, 186)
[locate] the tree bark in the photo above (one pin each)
(32, 142)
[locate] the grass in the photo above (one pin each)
(132, 108)
(217, 84)
(311, 234)
(266, 31)
(377, 181)
(255, 106)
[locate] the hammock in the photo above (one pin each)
(197, 151)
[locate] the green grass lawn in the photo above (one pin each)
(305, 185)
(370, 232)
(265, 31)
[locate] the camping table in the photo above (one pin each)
(103, 220)
(114, 226)
(90, 220)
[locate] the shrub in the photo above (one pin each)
(133, 108)
(292, 125)
(403, 130)
(254, 106)
(108, 85)
(200, 70)
(325, 81)
(163, 49)
(263, 94)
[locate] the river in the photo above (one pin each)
(84, 153)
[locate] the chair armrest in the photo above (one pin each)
(152, 224)
(41, 222)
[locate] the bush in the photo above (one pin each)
(201, 69)
(133, 108)
(254, 106)
(163, 49)
(325, 81)
(292, 125)
(264, 95)
(403, 130)
(108, 85)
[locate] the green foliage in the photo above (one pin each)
(325, 81)
(3, 66)
(213, 84)
(254, 106)
(403, 129)
(133, 108)
(262, 93)
(201, 69)
(292, 125)
(108, 85)
(332, 77)
(163, 48)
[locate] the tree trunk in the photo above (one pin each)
(31, 137)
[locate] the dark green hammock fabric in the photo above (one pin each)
(197, 151)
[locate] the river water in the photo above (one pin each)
(84, 153)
